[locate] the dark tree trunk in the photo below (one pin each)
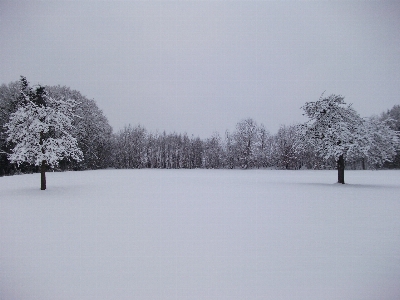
(340, 167)
(43, 175)
(43, 166)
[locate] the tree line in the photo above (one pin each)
(332, 134)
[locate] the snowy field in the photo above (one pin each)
(200, 234)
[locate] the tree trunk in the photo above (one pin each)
(43, 175)
(43, 166)
(340, 167)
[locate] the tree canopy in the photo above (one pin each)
(336, 131)
(40, 130)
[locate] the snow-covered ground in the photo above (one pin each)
(200, 234)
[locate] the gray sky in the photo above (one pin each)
(200, 67)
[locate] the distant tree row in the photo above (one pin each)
(249, 146)
(333, 138)
(334, 134)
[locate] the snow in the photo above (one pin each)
(200, 234)
(32, 145)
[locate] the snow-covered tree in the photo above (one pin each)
(130, 147)
(90, 128)
(336, 131)
(285, 148)
(394, 115)
(229, 150)
(196, 151)
(263, 147)
(40, 131)
(383, 141)
(213, 152)
(9, 99)
(333, 130)
(245, 138)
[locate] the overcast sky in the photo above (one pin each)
(200, 67)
